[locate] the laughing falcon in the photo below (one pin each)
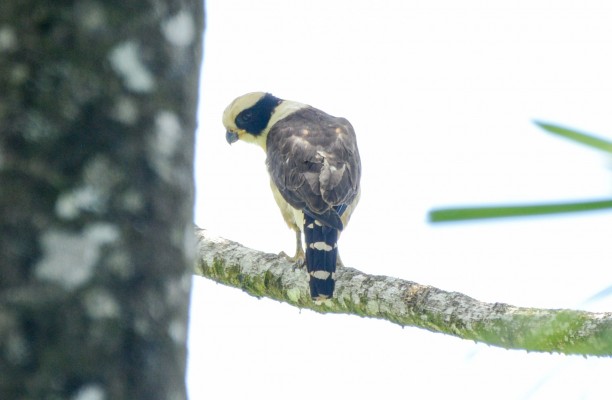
(314, 168)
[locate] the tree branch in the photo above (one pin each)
(407, 303)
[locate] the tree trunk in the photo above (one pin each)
(97, 119)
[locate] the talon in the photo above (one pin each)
(339, 263)
(298, 259)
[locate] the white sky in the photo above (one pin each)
(441, 95)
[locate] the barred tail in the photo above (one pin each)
(321, 255)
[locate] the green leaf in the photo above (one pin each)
(580, 137)
(470, 213)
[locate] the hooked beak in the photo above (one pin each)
(231, 137)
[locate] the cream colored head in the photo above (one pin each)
(247, 117)
(238, 105)
(250, 116)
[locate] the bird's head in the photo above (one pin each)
(249, 116)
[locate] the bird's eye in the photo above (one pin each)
(244, 117)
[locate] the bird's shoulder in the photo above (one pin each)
(310, 129)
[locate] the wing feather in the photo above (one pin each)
(314, 162)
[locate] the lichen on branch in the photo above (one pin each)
(407, 303)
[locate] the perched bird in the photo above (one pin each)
(314, 168)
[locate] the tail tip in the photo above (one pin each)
(322, 289)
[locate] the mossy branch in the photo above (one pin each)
(407, 303)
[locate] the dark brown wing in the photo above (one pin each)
(314, 162)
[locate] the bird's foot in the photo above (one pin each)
(339, 263)
(298, 259)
